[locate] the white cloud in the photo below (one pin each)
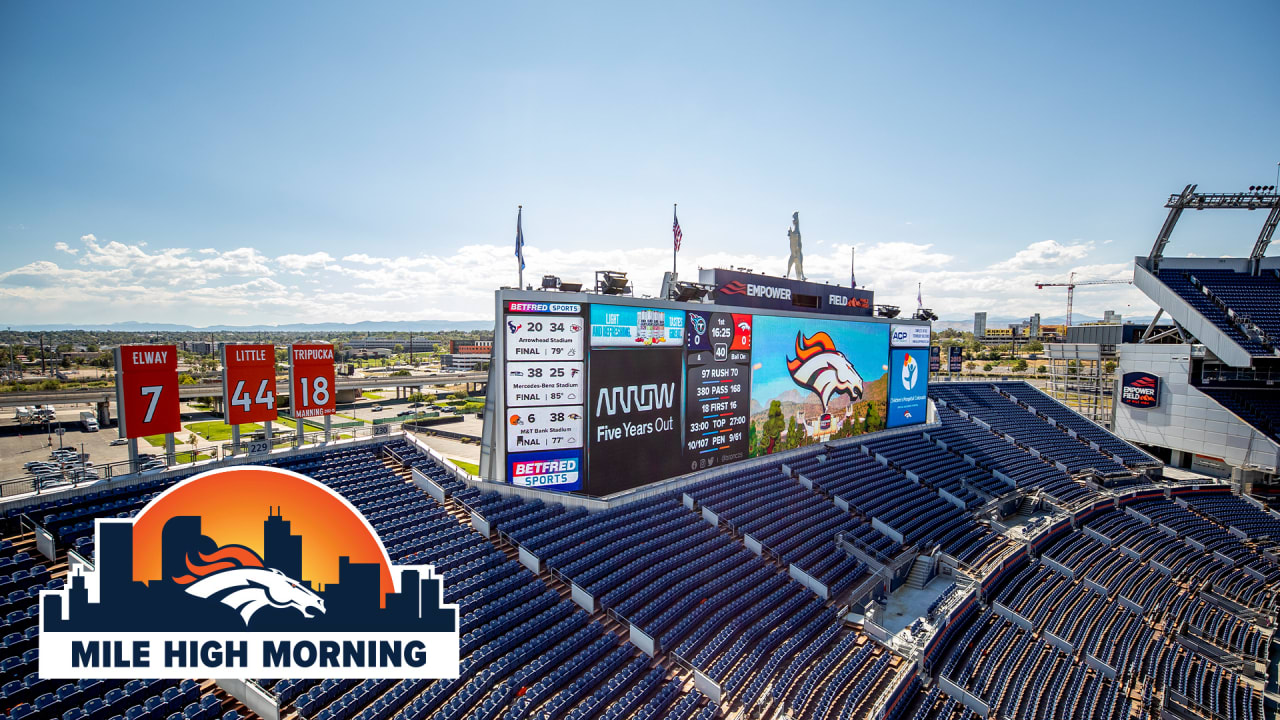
(63, 247)
(112, 281)
(1044, 254)
(299, 264)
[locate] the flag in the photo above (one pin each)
(919, 297)
(675, 229)
(519, 238)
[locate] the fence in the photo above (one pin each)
(250, 445)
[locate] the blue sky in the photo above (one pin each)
(301, 162)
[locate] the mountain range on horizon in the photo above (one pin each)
(362, 326)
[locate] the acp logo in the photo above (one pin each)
(822, 369)
(251, 571)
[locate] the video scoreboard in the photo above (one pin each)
(596, 394)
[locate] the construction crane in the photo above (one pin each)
(1071, 284)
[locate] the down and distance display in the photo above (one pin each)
(718, 392)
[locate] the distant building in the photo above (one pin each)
(471, 347)
(418, 343)
(464, 362)
(979, 324)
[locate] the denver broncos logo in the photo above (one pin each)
(824, 370)
(235, 576)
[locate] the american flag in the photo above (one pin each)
(675, 230)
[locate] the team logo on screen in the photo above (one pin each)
(824, 370)
(910, 372)
(247, 570)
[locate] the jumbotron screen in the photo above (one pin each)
(601, 397)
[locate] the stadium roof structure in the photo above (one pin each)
(1230, 305)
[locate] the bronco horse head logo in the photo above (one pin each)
(824, 370)
(235, 576)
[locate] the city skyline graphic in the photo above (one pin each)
(208, 582)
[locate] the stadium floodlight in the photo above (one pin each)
(925, 314)
(612, 282)
(887, 311)
(570, 287)
(550, 282)
(690, 292)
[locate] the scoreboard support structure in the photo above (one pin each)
(235, 439)
(169, 456)
(328, 429)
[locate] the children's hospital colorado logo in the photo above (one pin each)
(246, 572)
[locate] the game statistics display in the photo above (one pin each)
(718, 388)
(602, 397)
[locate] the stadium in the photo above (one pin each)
(880, 548)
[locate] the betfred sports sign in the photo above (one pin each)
(311, 390)
(1140, 390)
(147, 390)
(249, 383)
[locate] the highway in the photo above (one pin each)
(189, 392)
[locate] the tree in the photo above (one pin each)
(987, 367)
(1019, 365)
(873, 421)
(187, 379)
(1042, 370)
(1108, 367)
(772, 429)
(970, 365)
(1034, 346)
(66, 361)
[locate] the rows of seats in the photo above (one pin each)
(1188, 285)
(1258, 406)
(1047, 406)
(995, 454)
(1235, 512)
(876, 491)
(764, 503)
(1085, 592)
(984, 401)
(1252, 299)
(939, 469)
(524, 649)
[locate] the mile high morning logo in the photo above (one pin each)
(246, 572)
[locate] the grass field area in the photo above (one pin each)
(372, 395)
(156, 440)
(350, 417)
(469, 467)
(185, 457)
(217, 431)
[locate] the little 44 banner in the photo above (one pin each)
(249, 383)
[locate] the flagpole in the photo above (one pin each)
(674, 219)
(520, 242)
